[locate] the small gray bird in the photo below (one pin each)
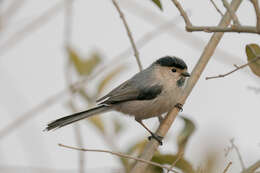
(147, 94)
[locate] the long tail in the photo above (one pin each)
(76, 117)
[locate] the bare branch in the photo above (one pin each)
(227, 167)
(183, 13)
(238, 154)
(136, 53)
(216, 7)
(180, 155)
(257, 12)
(119, 155)
(237, 68)
(234, 28)
(231, 12)
(252, 168)
(152, 145)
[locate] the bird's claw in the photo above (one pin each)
(156, 137)
(179, 106)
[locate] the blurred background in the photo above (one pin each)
(58, 56)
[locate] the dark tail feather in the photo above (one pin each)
(76, 117)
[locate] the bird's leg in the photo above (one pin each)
(153, 135)
(160, 118)
(179, 106)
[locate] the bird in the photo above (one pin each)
(149, 93)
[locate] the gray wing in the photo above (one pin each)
(138, 87)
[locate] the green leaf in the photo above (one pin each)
(182, 164)
(157, 3)
(109, 77)
(251, 51)
(97, 121)
(83, 67)
(137, 147)
(185, 134)
(118, 126)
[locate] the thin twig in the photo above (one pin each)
(120, 155)
(235, 28)
(180, 155)
(236, 69)
(152, 145)
(252, 168)
(227, 167)
(136, 53)
(216, 7)
(257, 12)
(231, 12)
(238, 154)
(183, 13)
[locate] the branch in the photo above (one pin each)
(183, 13)
(237, 68)
(119, 155)
(257, 12)
(136, 53)
(216, 7)
(227, 167)
(152, 145)
(231, 12)
(252, 168)
(235, 28)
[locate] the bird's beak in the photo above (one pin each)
(185, 74)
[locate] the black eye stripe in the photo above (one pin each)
(174, 70)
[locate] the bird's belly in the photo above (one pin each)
(145, 108)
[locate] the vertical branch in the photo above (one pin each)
(67, 43)
(216, 7)
(152, 146)
(231, 12)
(257, 12)
(136, 53)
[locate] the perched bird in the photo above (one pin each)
(149, 93)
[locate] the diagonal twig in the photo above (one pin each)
(183, 13)
(120, 155)
(257, 12)
(216, 7)
(236, 69)
(231, 12)
(136, 53)
(227, 167)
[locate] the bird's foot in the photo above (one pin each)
(179, 106)
(156, 137)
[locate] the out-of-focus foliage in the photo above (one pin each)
(253, 50)
(169, 159)
(185, 134)
(109, 77)
(84, 66)
(158, 3)
(98, 122)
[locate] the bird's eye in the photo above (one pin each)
(173, 70)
